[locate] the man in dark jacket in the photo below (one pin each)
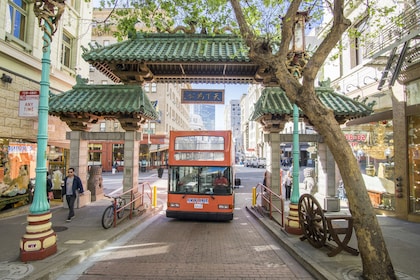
(72, 185)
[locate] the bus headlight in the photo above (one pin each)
(225, 206)
(173, 204)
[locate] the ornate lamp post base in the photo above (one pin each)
(40, 241)
(292, 225)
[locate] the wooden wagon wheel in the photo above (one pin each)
(312, 220)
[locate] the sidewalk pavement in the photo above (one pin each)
(84, 236)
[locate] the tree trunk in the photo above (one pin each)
(375, 258)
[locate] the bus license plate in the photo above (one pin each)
(198, 206)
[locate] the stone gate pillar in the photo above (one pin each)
(95, 185)
(326, 174)
(272, 140)
(131, 162)
(78, 160)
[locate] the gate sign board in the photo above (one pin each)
(28, 103)
(203, 96)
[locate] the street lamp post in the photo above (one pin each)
(297, 59)
(40, 241)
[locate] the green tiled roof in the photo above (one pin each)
(273, 101)
(165, 57)
(166, 47)
(103, 101)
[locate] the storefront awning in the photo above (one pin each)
(386, 115)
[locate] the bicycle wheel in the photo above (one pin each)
(108, 217)
(120, 214)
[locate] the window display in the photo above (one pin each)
(17, 167)
(373, 146)
(414, 163)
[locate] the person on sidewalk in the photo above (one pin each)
(50, 194)
(72, 185)
(288, 184)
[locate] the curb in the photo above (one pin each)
(50, 269)
(283, 238)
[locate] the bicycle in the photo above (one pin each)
(108, 215)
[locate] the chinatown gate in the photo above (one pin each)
(185, 58)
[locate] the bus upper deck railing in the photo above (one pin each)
(270, 201)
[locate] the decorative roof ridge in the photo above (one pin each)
(100, 86)
(152, 35)
(83, 83)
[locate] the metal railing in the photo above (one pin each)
(395, 33)
(131, 205)
(270, 201)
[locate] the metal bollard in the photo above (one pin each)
(154, 196)
(254, 196)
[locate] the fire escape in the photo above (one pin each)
(397, 47)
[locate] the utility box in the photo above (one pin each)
(332, 204)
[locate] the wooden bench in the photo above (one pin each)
(319, 226)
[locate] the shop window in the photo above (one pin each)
(413, 93)
(373, 146)
(414, 163)
(17, 168)
(118, 154)
(95, 154)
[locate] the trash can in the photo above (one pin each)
(160, 172)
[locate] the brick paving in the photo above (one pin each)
(173, 249)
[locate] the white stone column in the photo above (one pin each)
(326, 174)
(78, 160)
(131, 161)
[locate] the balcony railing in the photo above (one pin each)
(394, 34)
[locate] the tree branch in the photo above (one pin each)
(340, 24)
(246, 32)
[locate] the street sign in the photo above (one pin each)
(28, 103)
(202, 96)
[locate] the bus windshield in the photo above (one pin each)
(200, 180)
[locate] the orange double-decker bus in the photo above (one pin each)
(201, 175)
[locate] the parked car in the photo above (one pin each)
(261, 163)
(248, 162)
(254, 162)
(258, 163)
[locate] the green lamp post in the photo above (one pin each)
(297, 62)
(40, 241)
(298, 50)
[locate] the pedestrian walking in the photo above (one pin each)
(50, 194)
(72, 186)
(288, 184)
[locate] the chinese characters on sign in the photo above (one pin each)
(28, 103)
(204, 96)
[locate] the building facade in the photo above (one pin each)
(384, 70)
(21, 51)
(233, 123)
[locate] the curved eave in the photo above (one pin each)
(274, 102)
(106, 101)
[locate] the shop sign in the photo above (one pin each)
(356, 138)
(28, 103)
(202, 96)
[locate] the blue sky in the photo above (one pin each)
(232, 91)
